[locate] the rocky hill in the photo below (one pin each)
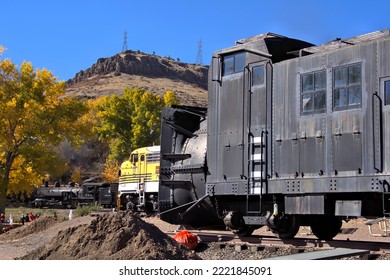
(150, 72)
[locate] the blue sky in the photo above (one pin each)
(68, 36)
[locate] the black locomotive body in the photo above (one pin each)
(294, 134)
(70, 196)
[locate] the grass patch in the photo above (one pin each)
(17, 212)
(85, 210)
(60, 214)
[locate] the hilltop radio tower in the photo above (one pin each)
(124, 48)
(199, 56)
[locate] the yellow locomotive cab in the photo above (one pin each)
(139, 179)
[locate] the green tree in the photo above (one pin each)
(114, 113)
(132, 120)
(34, 116)
(146, 119)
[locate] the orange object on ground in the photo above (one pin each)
(31, 216)
(187, 239)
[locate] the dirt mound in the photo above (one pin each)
(114, 236)
(38, 225)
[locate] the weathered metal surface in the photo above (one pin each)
(275, 138)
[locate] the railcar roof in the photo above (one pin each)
(281, 47)
(341, 43)
(277, 46)
(150, 149)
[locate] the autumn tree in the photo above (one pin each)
(34, 116)
(131, 121)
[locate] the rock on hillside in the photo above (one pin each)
(149, 72)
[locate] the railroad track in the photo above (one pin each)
(340, 248)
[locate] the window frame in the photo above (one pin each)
(347, 87)
(313, 92)
(385, 83)
(262, 79)
(238, 65)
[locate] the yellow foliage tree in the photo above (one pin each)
(170, 98)
(76, 176)
(110, 173)
(34, 116)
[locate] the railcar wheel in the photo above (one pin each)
(286, 227)
(325, 228)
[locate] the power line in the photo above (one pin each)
(124, 48)
(199, 59)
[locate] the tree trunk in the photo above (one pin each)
(5, 180)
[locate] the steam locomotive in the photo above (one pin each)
(71, 196)
(294, 135)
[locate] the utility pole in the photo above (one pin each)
(199, 56)
(124, 48)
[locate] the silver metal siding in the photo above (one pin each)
(352, 158)
(383, 69)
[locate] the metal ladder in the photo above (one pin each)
(382, 222)
(256, 157)
(383, 225)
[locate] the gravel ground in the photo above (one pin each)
(21, 241)
(352, 230)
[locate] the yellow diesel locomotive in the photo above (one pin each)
(139, 180)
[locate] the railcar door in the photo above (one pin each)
(142, 167)
(258, 106)
(243, 127)
(231, 119)
(139, 162)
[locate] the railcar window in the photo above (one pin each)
(387, 92)
(258, 75)
(347, 87)
(313, 92)
(233, 63)
(228, 65)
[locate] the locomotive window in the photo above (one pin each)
(313, 92)
(233, 63)
(387, 92)
(347, 89)
(258, 75)
(142, 157)
(134, 158)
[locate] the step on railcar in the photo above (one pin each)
(139, 179)
(293, 135)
